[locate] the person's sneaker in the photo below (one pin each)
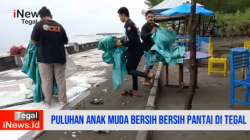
(47, 106)
(62, 104)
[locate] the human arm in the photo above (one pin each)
(36, 34)
(145, 33)
(170, 28)
(65, 37)
(118, 43)
(132, 35)
(33, 42)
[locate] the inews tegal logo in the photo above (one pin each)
(25, 15)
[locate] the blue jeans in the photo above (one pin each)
(132, 63)
(146, 62)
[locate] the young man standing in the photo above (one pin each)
(51, 38)
(146, 32)
(134, 51)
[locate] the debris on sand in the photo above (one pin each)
(104, 90)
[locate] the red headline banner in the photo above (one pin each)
(21, 120)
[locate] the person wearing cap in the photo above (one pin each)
(19, 51)
(50, 38)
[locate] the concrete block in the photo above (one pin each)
(70, 49)
(147, 135)
(38, 133)
(7, 62)
(149, 108)
(157, 75)
(18, 61)
(76, 47)
(155, 83)
(144, 135)
(82, 47)
(160, 66)
(151, 101)
(153, 91)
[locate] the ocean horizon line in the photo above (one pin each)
(80, 39)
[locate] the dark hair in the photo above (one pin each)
(19, 51)
(148, 12)
(124, 10)
(44, 12)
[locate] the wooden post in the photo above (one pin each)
(199, 30)
(192, 26)
(167, 83)
(179, 27)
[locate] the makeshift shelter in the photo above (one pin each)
(186, 9)
(168, 4)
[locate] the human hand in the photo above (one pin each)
(118, 43)
(170, 28)
(66, 53)
(153, 30)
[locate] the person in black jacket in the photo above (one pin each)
(134, 52)
(148, 29)
(146, 32)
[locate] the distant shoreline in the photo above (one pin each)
(89, 38)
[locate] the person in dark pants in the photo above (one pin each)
(134, 52)
(146, 32)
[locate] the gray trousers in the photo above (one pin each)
(47, 71)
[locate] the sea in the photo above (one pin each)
(6, 44)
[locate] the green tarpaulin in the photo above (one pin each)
(114, 55)
(30, 67)
(163, 51)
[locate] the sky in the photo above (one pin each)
(78, 17)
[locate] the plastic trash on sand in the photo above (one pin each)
(30, 89)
